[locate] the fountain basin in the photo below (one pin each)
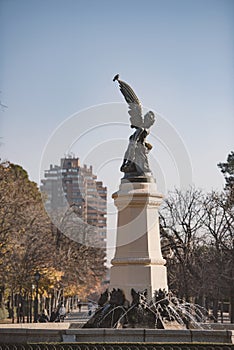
(103, 335)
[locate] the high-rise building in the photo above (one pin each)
(73, 185)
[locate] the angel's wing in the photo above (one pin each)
(149, 120)
(135, 109)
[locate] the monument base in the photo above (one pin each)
(139, 277)
(138, 261)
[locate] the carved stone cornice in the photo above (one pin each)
(137, 195)
(137, 261)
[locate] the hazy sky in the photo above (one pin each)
(58, 57)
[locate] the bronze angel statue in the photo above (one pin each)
(135, 158)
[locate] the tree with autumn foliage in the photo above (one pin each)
(24, 226)
(29, 243)
(26, 242)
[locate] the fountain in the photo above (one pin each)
(138, 272)
(163, 311)
(139, 310)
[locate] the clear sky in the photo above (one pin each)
(58, 57)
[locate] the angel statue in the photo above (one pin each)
(135, 158)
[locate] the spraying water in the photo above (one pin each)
(164, 311)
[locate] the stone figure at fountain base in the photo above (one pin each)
(163, 311)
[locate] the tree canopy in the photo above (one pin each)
(29, 242)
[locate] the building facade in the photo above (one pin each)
(71, 185)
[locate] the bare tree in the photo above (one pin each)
(220, 226)
(181, 220)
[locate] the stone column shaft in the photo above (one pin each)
(138, 261)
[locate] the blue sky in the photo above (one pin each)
(59, 57)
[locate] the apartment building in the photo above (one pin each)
(72, 185)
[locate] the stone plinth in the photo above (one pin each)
(138, 261)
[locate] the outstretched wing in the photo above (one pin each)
(149, 120)
(135, 109)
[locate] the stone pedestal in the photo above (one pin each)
(138, 261)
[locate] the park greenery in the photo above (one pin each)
(30, 243)
(197, 232)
